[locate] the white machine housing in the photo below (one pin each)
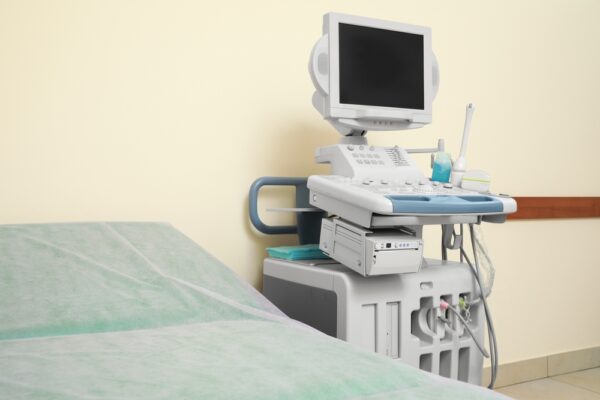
(394, 315)
(355, 119)
(383, 252)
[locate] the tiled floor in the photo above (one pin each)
(581, 385)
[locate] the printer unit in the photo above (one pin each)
(381, 252)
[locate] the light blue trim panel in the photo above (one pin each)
(445, 204)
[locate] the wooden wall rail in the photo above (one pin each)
(556, 207)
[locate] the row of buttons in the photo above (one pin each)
(397, 245)
(373, 162)
(351, 147)
(397, 157)
(408, 182)
(363, 155)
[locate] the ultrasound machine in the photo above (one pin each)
(372, 286)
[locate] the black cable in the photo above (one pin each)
(444, 251)
(462, 236)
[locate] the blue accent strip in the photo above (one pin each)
(445, 204)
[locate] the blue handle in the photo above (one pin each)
(445, 204)
(299, 183)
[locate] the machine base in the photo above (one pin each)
(394, 315)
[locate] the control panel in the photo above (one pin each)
(358, 199)
(368, 180)
(388, 157)
(384, 244)
(353, 161)
(400, 187)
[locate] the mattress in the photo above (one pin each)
(139, 311)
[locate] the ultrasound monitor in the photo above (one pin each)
(373, 75)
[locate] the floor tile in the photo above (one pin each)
(548, 389)
(587, 379)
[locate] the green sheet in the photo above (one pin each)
(139, 311)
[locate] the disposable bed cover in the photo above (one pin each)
(139, 311)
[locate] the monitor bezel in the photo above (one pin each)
(358, 111)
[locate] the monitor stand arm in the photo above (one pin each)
(356, 139)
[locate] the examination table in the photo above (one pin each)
(139, 311)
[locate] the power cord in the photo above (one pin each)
(491, 332)
(447, 235)
(445, 306)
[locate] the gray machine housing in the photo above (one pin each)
(394, 315)
(385, 251)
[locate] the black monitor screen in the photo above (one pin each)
(379, 67)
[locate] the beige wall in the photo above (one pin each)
(168, 110)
